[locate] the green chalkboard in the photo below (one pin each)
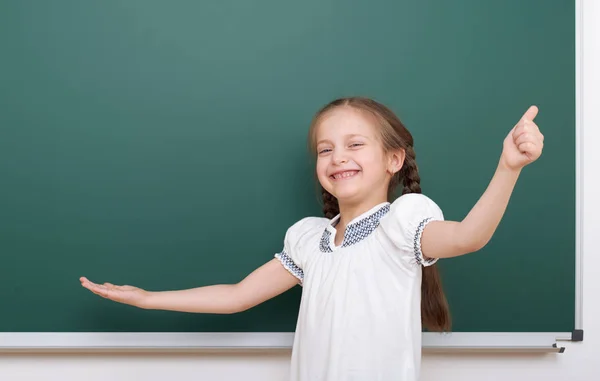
(163, 144)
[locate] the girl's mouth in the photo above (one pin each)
(343, 175)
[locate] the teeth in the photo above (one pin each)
(343, 175)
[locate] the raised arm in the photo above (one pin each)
(522, 146)
(264, 283)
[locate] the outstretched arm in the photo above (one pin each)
(264, 283)
(522, 146)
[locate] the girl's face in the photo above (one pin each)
(351, 162)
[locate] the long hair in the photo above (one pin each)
(435, 314)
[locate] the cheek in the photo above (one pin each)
(321, 168)
(373, 163)
(321, 171)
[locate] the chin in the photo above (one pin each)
(346, 195)
(346, 192)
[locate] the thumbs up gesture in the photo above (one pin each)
(524, 143)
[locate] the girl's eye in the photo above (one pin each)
(356, 144)
(325, 150)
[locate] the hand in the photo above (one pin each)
(524, 143)
(122, 294)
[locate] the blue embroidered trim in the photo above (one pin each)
(356, 231)
(290, 266)
(324, 245)
(417, 243)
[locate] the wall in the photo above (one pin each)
(579, 362)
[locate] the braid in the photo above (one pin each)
(330, 204)
(410, 173)
(435, 314)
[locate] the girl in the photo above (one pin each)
(368, 268)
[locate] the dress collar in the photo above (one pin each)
(357, 230)
(334, 221)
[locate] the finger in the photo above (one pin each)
(530, 114)
(115, 287)
(523, 138)
(87, 284)
(109, 294)
(94, 287)
(85, 281)
(528, 137)
(528, 148)
(99, 291)
(526, 127)
(104, 292)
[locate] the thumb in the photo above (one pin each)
(531, 113)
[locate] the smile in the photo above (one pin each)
(343, 175)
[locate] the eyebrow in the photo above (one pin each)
(346, 136)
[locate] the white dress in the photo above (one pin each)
(360, 311)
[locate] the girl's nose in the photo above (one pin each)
(340, 159)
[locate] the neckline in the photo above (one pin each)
(356, 219)
(356, 230)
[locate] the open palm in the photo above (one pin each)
(122, 294)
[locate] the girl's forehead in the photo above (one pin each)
(345, 121)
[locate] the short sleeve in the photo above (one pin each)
(292, 257)
(405, 222)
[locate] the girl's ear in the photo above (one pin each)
(396, 161)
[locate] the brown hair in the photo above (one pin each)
(435, 314)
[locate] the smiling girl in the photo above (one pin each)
(368, 268)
